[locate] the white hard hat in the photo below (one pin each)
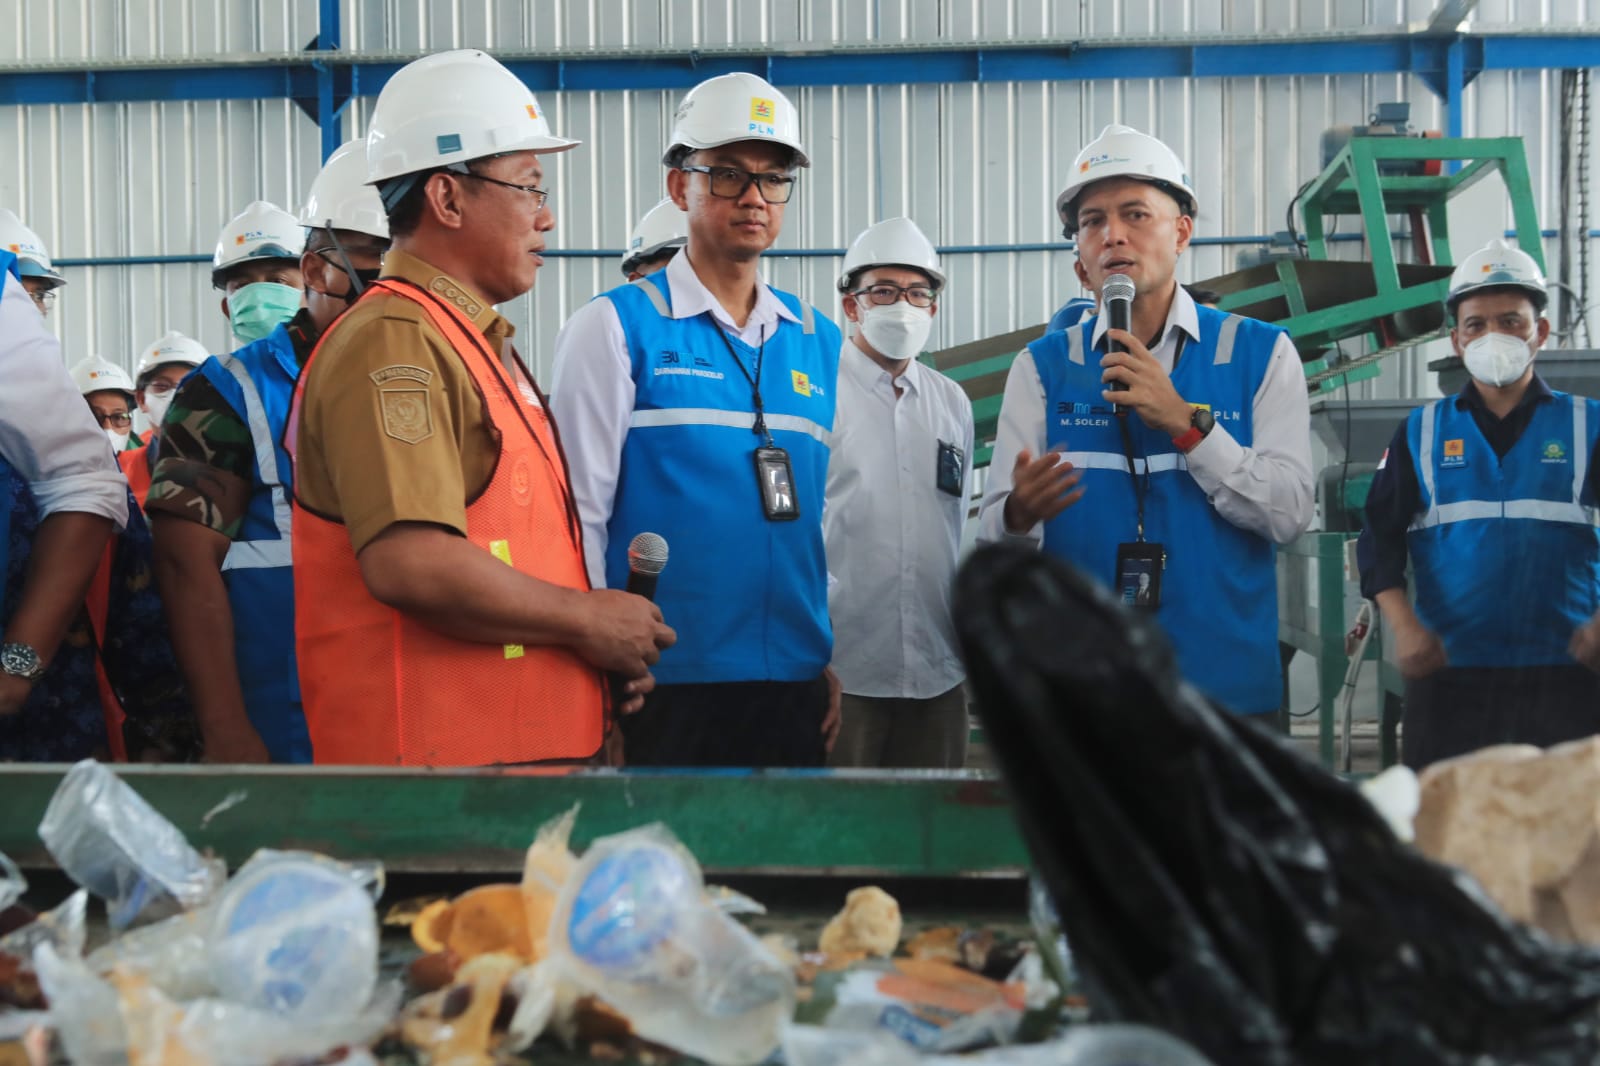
(892, 242)
(340, 197)
(453, 107)
(663, 226)
(1494, 265)
(32, 259)
(260, 231)
(173, 348)
(95, 374)
(1124, 152)
(734, 107)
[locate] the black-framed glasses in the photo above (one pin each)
(540, 196)
(729, 183)
(43, 299)
(120, 421)
(884, 294)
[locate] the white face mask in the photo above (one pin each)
(119, 441)
(1497, 358)
(156, 404)
(898, 331)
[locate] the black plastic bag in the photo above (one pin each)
(1215, 883)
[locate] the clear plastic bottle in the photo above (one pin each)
(110, 841)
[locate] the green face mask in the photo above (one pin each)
(258, 309)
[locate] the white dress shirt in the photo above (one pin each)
(47, 432)
(1265, 488)
(591, 390)
(892, 535)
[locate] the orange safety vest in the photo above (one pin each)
(136, 468)
(381, 688)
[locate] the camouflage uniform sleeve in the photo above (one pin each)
(206, 469)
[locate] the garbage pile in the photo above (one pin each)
(623, 952)
(278, 963)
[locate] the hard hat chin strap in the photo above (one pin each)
(394, 190)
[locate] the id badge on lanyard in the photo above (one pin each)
(1140, 563)
(780, 501)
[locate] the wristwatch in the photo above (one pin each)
(20, 660)
(1200, 424)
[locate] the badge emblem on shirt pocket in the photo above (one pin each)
(1455, 453)
(406, 417)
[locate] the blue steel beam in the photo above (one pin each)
(782, 253)
(346, 75)
(329, 39)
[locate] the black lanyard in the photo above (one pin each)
(1141, 485)
(760, 427)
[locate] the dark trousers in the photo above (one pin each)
(737, 723)
(1461, 709)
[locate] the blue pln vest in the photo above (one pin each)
(258, 382)
(1504, 552)
(748, 597)
(1219, 594)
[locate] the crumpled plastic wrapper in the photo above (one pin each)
(126, 1020)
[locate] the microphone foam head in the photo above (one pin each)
(647, 554)
(1117, 287)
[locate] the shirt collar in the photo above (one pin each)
(1181, 315)
(404, 265)
(690, 297)
(865, 371)
(1470, 398)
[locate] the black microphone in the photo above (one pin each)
(1116, 302)
(647, 557)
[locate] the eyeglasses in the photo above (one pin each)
(44, 299)
(729, 183)
(119, 421)
(885, 294)
(540, 196)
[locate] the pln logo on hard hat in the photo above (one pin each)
(762, 111)
(533, 112)
(1100, 160)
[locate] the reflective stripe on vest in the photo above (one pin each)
(1156, 464)
(713, 416)
(1225, 338)
(255, 554)
(1563, 512)
(658, 300)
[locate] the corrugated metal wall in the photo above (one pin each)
(973, 164)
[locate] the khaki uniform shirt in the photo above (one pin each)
(392, 427)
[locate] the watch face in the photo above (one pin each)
(1202, 419)
(19, 660)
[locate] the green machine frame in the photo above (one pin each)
(1322, 301)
